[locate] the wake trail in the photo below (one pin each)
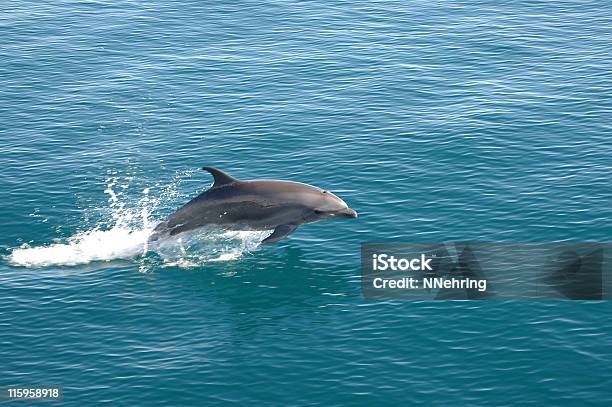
(131, 225)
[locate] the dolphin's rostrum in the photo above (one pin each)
(254, 205)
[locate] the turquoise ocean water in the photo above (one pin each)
(437, 121)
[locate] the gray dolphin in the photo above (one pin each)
(254, 205)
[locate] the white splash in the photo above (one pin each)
(128, 233)
(83, 248)
(194, 248)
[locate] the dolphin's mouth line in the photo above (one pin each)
(347, 213)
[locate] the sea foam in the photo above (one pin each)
(125, 232)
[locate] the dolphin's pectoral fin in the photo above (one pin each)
(279, 233)
(221, 178)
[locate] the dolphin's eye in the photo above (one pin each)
(319, 212)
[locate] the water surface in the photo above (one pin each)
(436, 121)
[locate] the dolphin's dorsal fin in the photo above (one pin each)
(221, 178)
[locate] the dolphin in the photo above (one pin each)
(254, 205)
